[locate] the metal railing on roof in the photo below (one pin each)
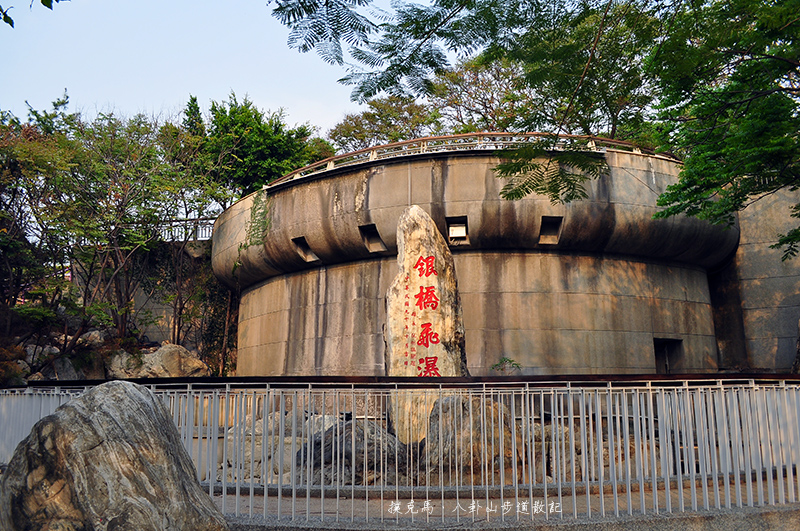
(508, 452)
(455, 143)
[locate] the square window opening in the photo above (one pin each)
(372, 238)
(457, 230)
(304, 250)
(550, 230)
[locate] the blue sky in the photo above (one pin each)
(150, 55)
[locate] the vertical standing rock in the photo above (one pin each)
(110, 459)
(424, 328)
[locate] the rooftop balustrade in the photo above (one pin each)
(457, 143)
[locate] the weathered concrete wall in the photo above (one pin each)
(769, 288)
(584, 287)
(552, 313)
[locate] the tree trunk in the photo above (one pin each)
(224, 354)
(796, 364)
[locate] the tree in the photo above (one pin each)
(319, 149)
(36, 287)
(86, 212)
(386, 120)
(92, 197)
(250, 148)
(725, 78)
(473, 96)
(106, 209)
(478, 95)
(22, 260)
(191, 196)
(730, 75)
(585, 64)
(575, 67)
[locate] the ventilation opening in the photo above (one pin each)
(668, 354)
(457, 232)
(372, 238)
(550, 229)
(302, 248)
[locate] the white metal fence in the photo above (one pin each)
(181, 230)
(500, 451)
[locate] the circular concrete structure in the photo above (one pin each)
(594, 286)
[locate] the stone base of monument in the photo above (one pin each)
(473, 436)
(467, 440)
(410, 413)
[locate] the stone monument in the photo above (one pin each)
(424, 328)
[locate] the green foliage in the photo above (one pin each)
(340, 19)
(260, 220)
(252, 148)
(387, 120)
(729, 75)
(318, 149)
(552, 166)
(585, 64)
(36, 313)
(193, 123)
(82, 207)
(478, 95)
(506, 365)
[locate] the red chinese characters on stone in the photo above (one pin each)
(427, 366)
(426, 298)
(425, 266)
(427, 336)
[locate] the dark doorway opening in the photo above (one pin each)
(668, 354)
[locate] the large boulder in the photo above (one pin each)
(249, 453)
(93, 339)
(169, 361)
(353, 452)
(111, 459)
(424, 324)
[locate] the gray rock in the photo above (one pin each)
(93, 339)
(35, 354)
(353, 452)
(61, 369)
(23, 367)
(298, 423)
(424, 326)
(472, 438)
(111, 459)
(244, 449)
(169, 361)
